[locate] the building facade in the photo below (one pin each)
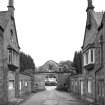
(62, 81)
(63, 77)
(25, 83)
(93, 56)
(90, 85)
(9, 55)
(39, 82)
(76, 85)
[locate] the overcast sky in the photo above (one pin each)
(51, 29)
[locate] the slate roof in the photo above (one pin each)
(4, 19)
(98, 17)
(90, 35)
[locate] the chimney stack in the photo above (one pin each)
(11, 7)
(90, 5)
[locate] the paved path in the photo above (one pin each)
(51, 97)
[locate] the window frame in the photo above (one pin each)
(26, 83)
(10, 56)
(89, 57)
(89, 89)
(11, 84)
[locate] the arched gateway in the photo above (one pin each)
(49, 72)
(45, 73)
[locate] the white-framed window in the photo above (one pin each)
(20, 85)
(89, 56)
(82, 88)
(12, 56)
(26, 84)
(101, 88)
(11, 84)
(90, 86)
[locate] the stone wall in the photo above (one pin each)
(39, 83)
(61, 80)
(24, 85)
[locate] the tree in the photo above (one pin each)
(26, 63)
(77, 62)
(66, 66)
(63, 78)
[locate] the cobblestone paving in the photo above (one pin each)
(52, 97)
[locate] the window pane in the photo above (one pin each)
(89, 86)
(91, 55)
(11, 37)
(26, 83)
(87, 58)
(10, 57)
(20, 85)
(103, 88)
(84, 59)
(11, 84)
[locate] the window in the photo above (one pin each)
(20, 84)
(89, 57)
(26, 83)
(10, 56)
(11, 84)
(101, 88)
(11, 35)
(86, 57)
(82, 91)
(89, 86)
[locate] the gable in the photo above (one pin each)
(15, 34)
(90, 34)
(98, 17)
(10, 36)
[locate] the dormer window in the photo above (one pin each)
(89, 57)
(11, 35)
(88, 26)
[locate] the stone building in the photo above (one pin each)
(9, 55)
(76, 84)
(93, 56)
(90, 85)
(62, 80)
(44, 72)
(25, 84)
(39, 81)
(63, 77)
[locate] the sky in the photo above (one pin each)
(51, 29)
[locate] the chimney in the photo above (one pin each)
(11, 7)
(90, 5)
